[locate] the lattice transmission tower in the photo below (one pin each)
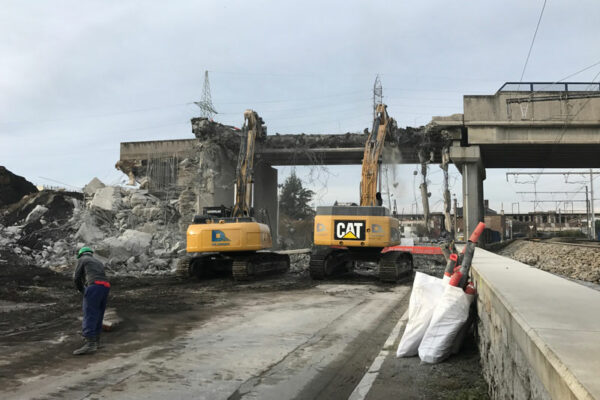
(207, 110)
(377, 94)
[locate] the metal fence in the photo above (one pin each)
(550, 87)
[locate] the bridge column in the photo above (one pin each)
(265, 197)
(468, 161)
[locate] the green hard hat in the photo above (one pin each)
(84, 250)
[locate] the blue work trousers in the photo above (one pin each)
(94, 305)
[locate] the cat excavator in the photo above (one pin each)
(344, 235)
(223, 240)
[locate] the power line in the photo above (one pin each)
(573, 74)
(292, 100)
(96, 115)
(364, 92)
(561, 134)
(532, 42)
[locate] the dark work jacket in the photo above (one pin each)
(88, 270)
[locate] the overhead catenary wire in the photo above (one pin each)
(572, 74)
(226, 113)
(532, 42)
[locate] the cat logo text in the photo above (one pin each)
(349, 230)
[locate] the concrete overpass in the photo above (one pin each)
(303, 149)
(522, 125)
(166, 165)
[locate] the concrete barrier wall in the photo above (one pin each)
(539, 333)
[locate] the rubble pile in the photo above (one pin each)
(581, 263)
(205, 129)
(13, 187)
(299, 263)
(132, 231)
(429, 264)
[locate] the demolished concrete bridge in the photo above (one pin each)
(200, 171)
(523, 125)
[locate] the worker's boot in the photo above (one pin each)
(98, 344)
(89, 347)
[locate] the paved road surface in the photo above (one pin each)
(312, 343)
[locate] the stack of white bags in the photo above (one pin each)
(437, 312)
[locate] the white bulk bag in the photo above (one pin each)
(449, 316)
(426, 292)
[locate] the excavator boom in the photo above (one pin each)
(372, 154)
(245, 168)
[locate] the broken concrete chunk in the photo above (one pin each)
(138, 199)
(149, 227)
(138, 210)
(93, 186)
(111, 320)
(159, 252)
(152, 213)
(107, 198)
(130, 243)
(89, 232)
(36, 214)
(159, 263)
(13, 230)
(175, 248)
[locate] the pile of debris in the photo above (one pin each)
(132, 231)
(13, 187)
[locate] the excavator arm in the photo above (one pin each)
(373, 150)
(251, 130)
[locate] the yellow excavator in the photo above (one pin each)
(344, 235)
(218, 242)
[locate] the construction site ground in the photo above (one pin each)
(281, 337)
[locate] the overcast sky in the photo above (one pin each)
(79, 77)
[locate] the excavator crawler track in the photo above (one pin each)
(261, 263)
(317, 266)
(326, 262)
(394, 265)
(208, 265)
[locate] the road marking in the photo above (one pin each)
(364, 386)
(389, 343)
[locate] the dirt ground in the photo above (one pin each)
(41, 311)
(40, 323)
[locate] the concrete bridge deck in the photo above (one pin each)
(539, 333)
(542, 125)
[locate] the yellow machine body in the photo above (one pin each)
(221, 236)
(356, 231)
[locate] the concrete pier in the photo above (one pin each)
(468, 161)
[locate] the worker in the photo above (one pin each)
(90, 279)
